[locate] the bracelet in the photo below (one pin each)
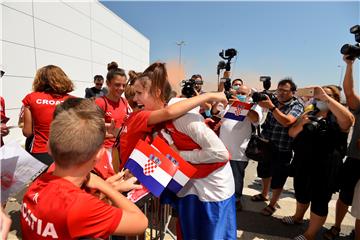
(272, 109)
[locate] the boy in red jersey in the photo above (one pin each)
(56, 205)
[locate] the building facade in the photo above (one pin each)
(80, 37)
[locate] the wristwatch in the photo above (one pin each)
(272, 109)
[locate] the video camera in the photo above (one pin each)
(188, 87)
(227, 55)
(261, 96)
(353, 50)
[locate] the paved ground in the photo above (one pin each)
(251, 224)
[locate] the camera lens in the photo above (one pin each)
(352, 50)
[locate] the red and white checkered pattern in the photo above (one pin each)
(149, 167)
(238, 110)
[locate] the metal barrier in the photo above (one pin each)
(159, 216)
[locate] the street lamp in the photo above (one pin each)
(180, 44)
(341, 73)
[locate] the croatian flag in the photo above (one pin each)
(150, 167)
(238, 111)
(185, 170)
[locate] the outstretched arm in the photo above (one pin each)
(176, 110)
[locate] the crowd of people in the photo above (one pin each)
(86, 142)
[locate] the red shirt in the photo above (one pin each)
(135, 128)
(42, 106)
(3, 117)
(113, 110)
(102, 168)
(54, 208)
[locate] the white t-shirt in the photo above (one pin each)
(236, 135)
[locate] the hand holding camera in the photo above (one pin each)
(320, 94)
(267, 103)
(347, 60)
(352, 51)
(304, 119)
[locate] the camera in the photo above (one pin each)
(227, 87)
(352, 50)
(317, 124)
(228, 54)
(261, 96)
(188, 88)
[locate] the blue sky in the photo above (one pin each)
(297, 39)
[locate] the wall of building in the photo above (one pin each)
(80, 37)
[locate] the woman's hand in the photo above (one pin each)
(320, 94)
(218, 97)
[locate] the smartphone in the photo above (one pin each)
(305, 92)
(216, 119)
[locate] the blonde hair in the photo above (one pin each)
(52, 79)
(76, 134)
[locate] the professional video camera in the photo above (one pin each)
(188, 87)
(353, 50)
(227, 55)
(260, 96)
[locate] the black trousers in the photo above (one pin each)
(277, 167)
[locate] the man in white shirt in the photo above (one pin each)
(236, 135)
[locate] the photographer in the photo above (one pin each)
(350, 171)
(320, 139)
(198, 83)
(193, 87)
(283, 112)
(236, 136)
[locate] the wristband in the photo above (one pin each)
(272, 109)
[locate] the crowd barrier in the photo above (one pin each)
(159, 216)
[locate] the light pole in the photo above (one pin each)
(341, 73)
(180, 44)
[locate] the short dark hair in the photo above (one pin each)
(290, 82)
(195, 76)
(98, 78)
(237, 79)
